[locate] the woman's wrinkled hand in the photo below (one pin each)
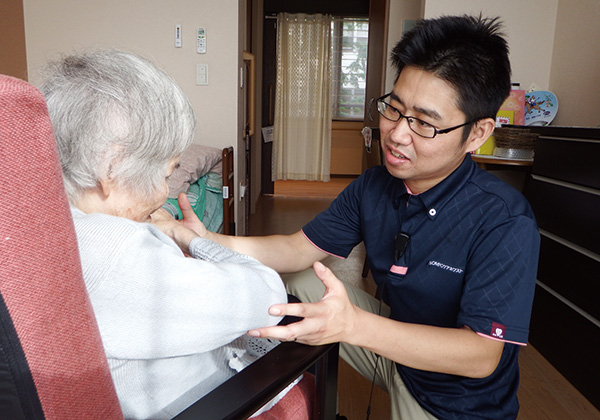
(175, 229)
(161, 216)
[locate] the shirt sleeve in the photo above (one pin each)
(152, 302)
(337, 230)
(500, 281)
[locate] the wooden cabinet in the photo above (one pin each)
(347, 146)
(13, 58)
(564, 191)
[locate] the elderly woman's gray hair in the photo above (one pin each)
(116, 116)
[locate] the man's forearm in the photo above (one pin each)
(283, 253)
(457, 351)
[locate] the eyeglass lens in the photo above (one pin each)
(420, 127)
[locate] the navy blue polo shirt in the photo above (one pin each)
(471, 261)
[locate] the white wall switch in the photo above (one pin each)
(202, 74)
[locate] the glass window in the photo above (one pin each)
(349, 42)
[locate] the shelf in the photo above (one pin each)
(483, 160)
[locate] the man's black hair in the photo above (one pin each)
(468, 52)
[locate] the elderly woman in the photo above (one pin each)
(170, 325)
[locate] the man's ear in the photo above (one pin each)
(480, 132)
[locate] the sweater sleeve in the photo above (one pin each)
(152, 302)
(210, 251)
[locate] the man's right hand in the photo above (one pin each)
(189, 218)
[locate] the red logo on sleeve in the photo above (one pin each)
(498, 330)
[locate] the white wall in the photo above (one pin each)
(529, 27)
(576, 63)
(147, 27)
(553, 43)
(400, 11)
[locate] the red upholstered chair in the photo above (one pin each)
(52, 364)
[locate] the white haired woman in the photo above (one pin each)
(170, 325)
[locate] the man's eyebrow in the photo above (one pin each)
(428, 112)
(395, 97)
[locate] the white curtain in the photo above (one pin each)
(302, 123)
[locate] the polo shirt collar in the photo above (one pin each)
(434, 199)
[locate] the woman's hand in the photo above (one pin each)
(176, 230)
(328, 321)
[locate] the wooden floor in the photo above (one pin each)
(544, 393)
(312, 189)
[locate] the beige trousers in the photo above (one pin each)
(308, 288)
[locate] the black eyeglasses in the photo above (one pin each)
(418, 126)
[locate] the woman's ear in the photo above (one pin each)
(481, 131)
(105, 187)
(107, 182)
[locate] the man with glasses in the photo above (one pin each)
(453, 250)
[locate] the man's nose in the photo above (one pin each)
(401, 131)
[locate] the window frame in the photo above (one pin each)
(337, 69)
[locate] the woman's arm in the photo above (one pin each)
(283, 253)
(151, 301)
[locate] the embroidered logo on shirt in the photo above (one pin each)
(498, 330)
(446, 267)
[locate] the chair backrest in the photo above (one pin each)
(51, 355)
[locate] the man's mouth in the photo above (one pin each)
(397, 155)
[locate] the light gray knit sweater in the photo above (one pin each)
(169, 324)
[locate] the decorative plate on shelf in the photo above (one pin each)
(541, 107)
